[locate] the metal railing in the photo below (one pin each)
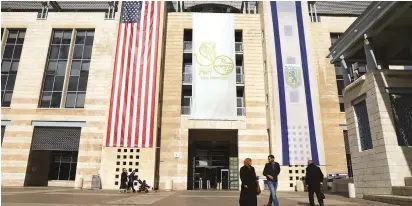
(241, 111)
(187, 78)
(187, 47)
(239, 79)
(186, 110)
(238, 47)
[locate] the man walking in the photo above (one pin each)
(131, 182)
(271, 171)
(314, 177)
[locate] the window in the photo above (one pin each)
(10, 64)
(339, 74)
(56, 84)
(265, 69)
(263, 36)
(240, 101)
(334, 37)
(314, 16)
(186, 101)
(363, 128)
(401, 110)
(56, 69)
(347, 151)
(340, 86)
(63, 165)
(2, 133)
(239, 72)
(79, 71)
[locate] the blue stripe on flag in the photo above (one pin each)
(303, 53)
(281, 86)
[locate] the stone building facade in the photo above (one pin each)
(255, 130)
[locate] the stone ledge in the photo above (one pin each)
(408, 181)
(391, 199)
(402, 190)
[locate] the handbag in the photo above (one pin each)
(258, 191)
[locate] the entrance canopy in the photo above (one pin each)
(386, 28)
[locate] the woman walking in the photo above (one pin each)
(248, 194)
(123, 181)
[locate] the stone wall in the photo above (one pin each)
(24, 105)
(330, 115)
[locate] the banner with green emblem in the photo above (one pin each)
(214, 73)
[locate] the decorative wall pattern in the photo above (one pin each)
(126, 159)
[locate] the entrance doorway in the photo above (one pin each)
(53, 155)
(211, 153)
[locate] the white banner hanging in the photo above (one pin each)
(214, 73)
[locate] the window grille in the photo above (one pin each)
(363, 127)
(346, 141)
(56, 138)
(401, 105)
(314, 16)
(111, 12)
(44, 11)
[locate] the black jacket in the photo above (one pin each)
(248, 196)
(272, 171)
(314, 175)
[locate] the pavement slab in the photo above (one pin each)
(72, 197)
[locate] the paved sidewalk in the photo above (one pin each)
(47, 196)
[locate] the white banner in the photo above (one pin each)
(214, 73)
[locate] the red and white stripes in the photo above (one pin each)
(132, 106)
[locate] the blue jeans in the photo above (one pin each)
(273, 186)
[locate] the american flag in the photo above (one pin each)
(132, 104)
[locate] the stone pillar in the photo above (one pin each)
(384, 163)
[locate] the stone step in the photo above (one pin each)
(408, 181)
(390, 199)
(402, 190)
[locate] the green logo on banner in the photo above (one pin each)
(207, 60)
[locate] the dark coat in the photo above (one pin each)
(132, 177)
(272, 170)
(248, 196)
(314, 175)
(123, 180)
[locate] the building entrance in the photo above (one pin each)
(53, 155)
(211, 159)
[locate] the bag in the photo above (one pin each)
(322, 195)
(258, 191)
